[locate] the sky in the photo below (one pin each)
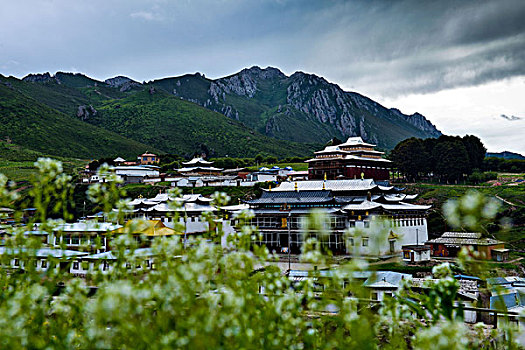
(459, 63)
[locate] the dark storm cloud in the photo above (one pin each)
(381, 48)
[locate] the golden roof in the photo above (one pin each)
(150, 228)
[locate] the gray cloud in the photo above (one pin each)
(379, 48)
(510, 117)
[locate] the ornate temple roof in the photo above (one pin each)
(198, 160)
(330, 185)
(293, 197)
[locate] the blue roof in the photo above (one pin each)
(466, 277)
(509, 300)
(497, 281)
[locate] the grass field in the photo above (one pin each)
(514, 214)
(22, 171)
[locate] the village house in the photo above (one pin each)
(416, 253)
(192, 206)
(450, 244)
(86, 235)
(42, 259)
(148, 159)
(141, 260)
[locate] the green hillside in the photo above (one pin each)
(160, 121)
(182, 127)
(255, 111)
(33, 125)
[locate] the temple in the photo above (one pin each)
(354, 159)
(350, 206)
(199, 166)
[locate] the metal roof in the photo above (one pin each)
(471, 235)
(110, 255)
(369, 205)
(333, 185)
(41, 253)
(196, 161)
(294, 211)
(353, 199)
(202, 168)
(386, 279)
(291, 197)
(87, 226)
(464, 238)
(366, 205)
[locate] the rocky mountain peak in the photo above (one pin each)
(118, 81)
(39, 78)
(122, 83)
(419, 121)
(263, 73)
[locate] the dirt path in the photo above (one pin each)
(505, 201)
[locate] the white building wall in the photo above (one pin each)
(193, 224)
(375, 239)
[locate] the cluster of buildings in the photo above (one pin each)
(197, 172)
(347, 185)
(353, 159)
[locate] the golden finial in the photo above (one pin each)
(325, 176)
(270, 189)
(296, 188)
(324, 188)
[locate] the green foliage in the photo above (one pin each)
(181, 127)
(504, 165)
(411, 157)
(480, 177)
(447, 158)
(33, 125)
(200, 295)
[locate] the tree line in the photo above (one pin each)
(446, 159)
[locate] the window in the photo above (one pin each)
(44, 264)
(351, 223)
(75, 265)
(374, 296)
(67, 239)
(105, 266)
(367, 224)
(128, 265)
(351, 241)
(147, 263)
(17, 262)
(365, 242)
(392, 246)
(75, 240)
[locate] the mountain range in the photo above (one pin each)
(255, 111)
(505, 155)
